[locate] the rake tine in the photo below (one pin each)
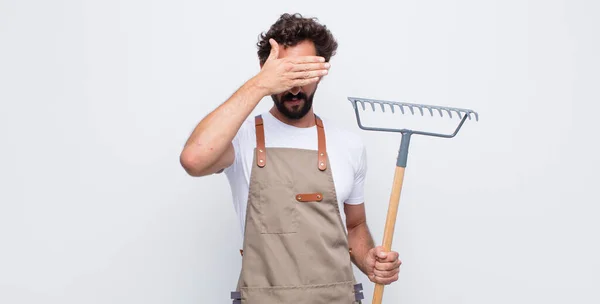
(470, 115)
(461, 113)
(430, 111)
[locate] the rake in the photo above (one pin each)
(462, 114)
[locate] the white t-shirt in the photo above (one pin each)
(346, 151)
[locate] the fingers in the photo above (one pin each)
(387, 256)
(384, 256)
(380, 252)
(384, 280)
(308, 74)
(307, 59)
(307, 77)
(274, 50)
(309, 67)
(385, 274)
(385, 266)
(304, 81)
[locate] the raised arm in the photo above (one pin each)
(209, 150)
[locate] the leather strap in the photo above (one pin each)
(261, 157)
(309, 197)
(322, 146)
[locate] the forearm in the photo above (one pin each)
(361, 241)
(214, 133)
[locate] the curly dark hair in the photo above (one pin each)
(291, 29)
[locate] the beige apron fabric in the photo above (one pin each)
(295, 247)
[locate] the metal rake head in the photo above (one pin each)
(463, 114)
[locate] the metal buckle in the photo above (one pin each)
(237, 297)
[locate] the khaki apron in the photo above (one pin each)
(295, 247)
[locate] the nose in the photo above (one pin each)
(295, 90)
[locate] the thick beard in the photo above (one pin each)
(297, 113)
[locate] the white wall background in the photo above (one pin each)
(98, 97)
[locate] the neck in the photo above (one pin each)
(305, 122)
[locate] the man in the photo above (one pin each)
(291, 175)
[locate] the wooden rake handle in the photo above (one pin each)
(390, 222)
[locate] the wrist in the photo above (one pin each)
(361, 259)
(256, 85)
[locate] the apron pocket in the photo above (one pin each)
(277, 205)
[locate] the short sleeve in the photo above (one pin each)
(236, 148)
(238, 142)
(357, 195)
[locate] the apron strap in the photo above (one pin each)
(322, 146)
(261, 158)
